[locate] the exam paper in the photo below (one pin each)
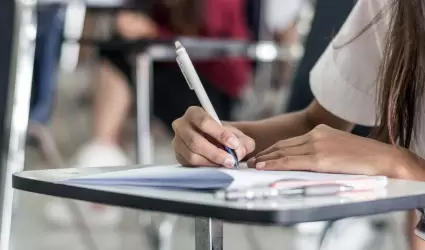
(200, 178)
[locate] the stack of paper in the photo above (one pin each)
(202, 178)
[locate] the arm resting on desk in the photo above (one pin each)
(299, 141)
(269, 131)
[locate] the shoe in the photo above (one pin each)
(96, 215)
(351, 234)
(100, 155)
(310, 228)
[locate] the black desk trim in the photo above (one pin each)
(235, 215)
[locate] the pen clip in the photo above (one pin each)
(183, 72)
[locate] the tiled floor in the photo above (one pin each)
(32, 231)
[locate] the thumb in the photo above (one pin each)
(247, 146)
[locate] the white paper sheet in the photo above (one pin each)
(202, 178)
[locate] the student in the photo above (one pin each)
(371, 74)
(224, 79)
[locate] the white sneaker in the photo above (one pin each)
(311, 227)
(100, 155)
(350, 234)
(347, 234)
(90, 155)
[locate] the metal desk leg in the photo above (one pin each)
(162, 237)
(208, 234)
(143, 98)
(18, 108)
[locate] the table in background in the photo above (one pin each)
(398, 195)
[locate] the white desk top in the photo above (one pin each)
(398, 195)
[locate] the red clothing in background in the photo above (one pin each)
(223, 19)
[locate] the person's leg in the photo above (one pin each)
(112, 102)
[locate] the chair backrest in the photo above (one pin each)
(253, 10)
(328, 19)
(48, 43)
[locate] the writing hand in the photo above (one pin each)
(199, 138)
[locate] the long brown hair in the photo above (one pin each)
(401, 74)
(185, 16)
(401, 78)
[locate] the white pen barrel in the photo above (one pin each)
(193, 79)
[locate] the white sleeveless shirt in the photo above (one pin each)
(344, 78)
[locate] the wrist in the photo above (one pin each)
(407, 165)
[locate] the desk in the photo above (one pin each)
(399, 195)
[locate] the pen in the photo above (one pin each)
(192, 79)
(270, 192)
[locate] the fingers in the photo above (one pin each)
(298, 163)
(201, 152)
(292, 142)
(197, 134)
(246, 147)
(206, 124)
(304, 149)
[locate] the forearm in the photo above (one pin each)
(267, 132)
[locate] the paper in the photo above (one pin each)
(202, 178)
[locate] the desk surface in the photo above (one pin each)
(399, 195)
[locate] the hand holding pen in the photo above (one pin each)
(200, 138)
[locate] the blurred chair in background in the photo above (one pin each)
(223, 79)
(277, 21)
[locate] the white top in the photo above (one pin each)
(344, 79)
(279, 14)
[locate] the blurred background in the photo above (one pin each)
(84, 96)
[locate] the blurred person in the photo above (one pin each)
(285, 30)
(370, 74)
(223, 80)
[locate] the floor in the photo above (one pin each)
(71, 128)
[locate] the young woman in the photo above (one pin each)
(373, 74)
(223, 80)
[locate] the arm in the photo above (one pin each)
(133, 25)
(267, 132)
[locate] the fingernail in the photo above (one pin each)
(233, 142)
(260, 165)
(241, 153)
(229, 163)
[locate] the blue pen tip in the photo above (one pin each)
(232, 153)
